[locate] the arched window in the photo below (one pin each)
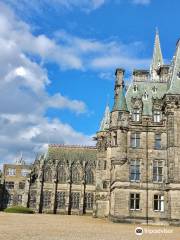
(61, 173)
(76, 175)
(47, 175)
(89, 176)
(75, 199)
(89, 201)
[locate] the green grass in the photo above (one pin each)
(18, 209)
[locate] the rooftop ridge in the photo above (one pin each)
(71, 146)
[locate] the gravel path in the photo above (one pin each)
(58, 227)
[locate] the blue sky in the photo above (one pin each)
(58, 63)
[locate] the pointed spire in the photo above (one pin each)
(157, 56)
(175, 76)
(119, 98)
(106, 119)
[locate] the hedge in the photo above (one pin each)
(18, 209)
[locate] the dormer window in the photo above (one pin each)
(135, 88)
(136, 115)
(154, 89)
(145, 96)
(157, 116)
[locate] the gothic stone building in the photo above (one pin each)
(139, 143)
(133, 174)
(64, 180)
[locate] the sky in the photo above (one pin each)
(57, 64)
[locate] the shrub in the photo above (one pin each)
(18, 209)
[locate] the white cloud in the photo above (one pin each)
(40, 6)
(102, 55)
(141, 2)
(24, 81)
(23, 95)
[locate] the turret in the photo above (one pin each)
(120, 105)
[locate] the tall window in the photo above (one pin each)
(115, 138)
(10, 199)
(75, 198)
(47, 175)
(157, 116)
(104, 165)
(135, 140)
(61, 173)
(11, 172)
(157, 171)
(9, 185)
(136, 115)
(76, 176)
(135, 170)
(46, 199)
(134, 201)
(61, 199)
(158, 203)
(89, 201)
(32, 200)
(89, 176)
(157, 141)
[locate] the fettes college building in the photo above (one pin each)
(133, 174)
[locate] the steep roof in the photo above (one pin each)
(152, 89)
(71, 152)
(175, 75)
(157, 60)
(120, 101)
(106, 119)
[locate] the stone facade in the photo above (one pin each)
(64, 180)
(15, 184)
(141, 146)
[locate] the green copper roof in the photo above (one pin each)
(106, 120)
(120, 101)
(57, 152)
(175, 78)
(152, 89)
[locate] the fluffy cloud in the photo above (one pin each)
(102, 55)
(23, 95)
(24, 81)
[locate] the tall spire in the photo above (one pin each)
(175, 77)
(157, 57)
(106, 119)
(119, 98)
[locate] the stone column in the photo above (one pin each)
(54, 191)
(81, 204)
(25, 196)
